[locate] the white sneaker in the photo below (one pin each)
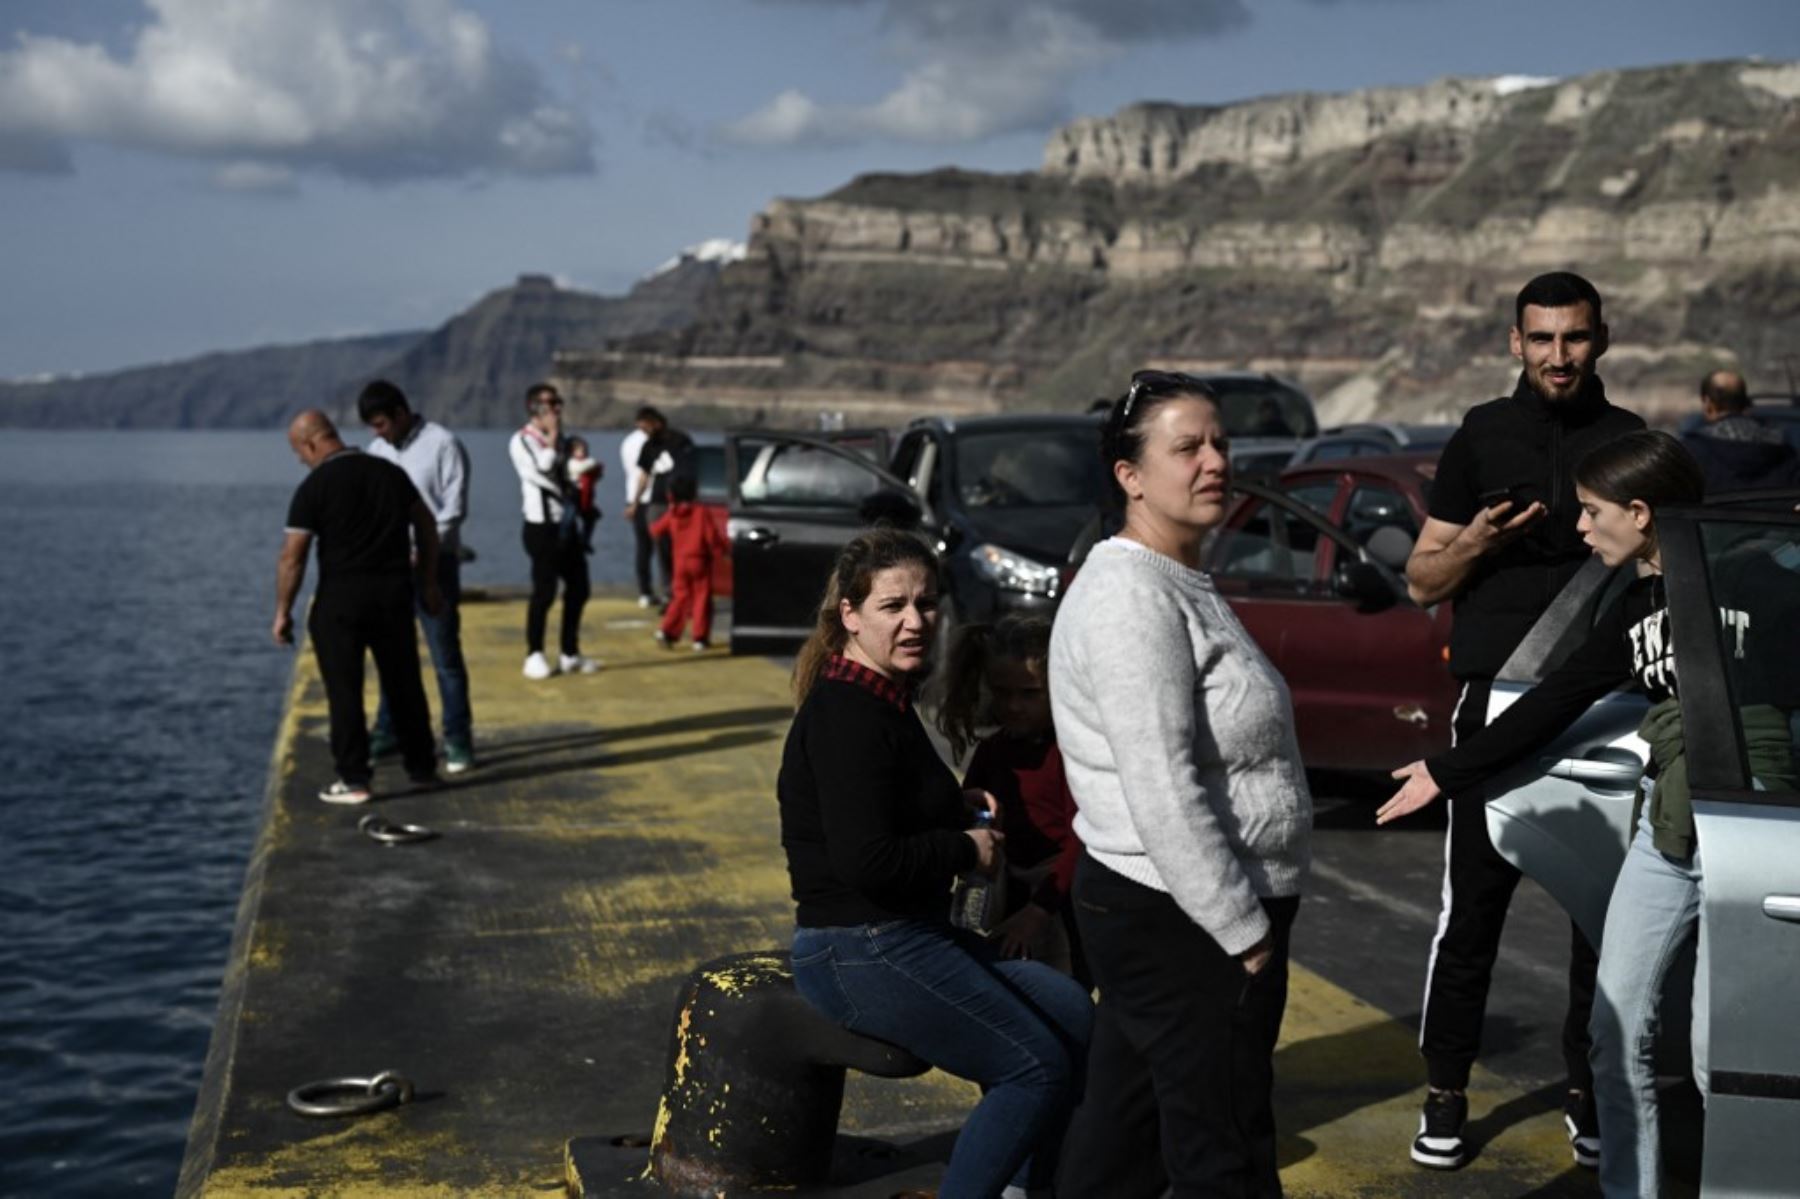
(341, 792)
(576, 664)
(537, 667)
(646, 601)
(701, 647)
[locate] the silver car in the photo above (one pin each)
(1563, 819)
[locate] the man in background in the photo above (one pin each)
(438, 466)
(643, 545)
(667, 454)
(540, 454)
(359, 510)
(1737, 451)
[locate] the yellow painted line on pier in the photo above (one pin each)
(622, 828)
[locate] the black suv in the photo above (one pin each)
(1003, 498)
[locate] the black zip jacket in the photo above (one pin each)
(1530, 445)
(871, 818)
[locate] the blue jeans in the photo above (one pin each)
(443, 636)
(1018, 1028)
(1655, 908)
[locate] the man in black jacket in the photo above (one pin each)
(1500, 542)
(1736, 451)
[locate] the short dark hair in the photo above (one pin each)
(683, 487)
(1732, 397)
(1645, 464)
(381, 398)
(541, 389)
(1558, 289)
(649, 413)
(1121, 433)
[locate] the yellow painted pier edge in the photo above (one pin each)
(620, 830)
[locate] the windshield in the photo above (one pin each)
(1029, 468)
(1263, 408)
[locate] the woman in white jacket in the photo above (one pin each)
(1178, 739)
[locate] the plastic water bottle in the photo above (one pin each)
(975, 903)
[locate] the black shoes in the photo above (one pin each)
(1439, 1144)
(1582, 1124)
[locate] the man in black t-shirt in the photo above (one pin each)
(360, 510)
(1500, 541)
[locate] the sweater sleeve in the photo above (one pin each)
(1601, 664)
(1145, 683)
(863, 800)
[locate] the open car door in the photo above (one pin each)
(1734, 612)
(795, 500)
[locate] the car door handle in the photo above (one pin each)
(1596, 772)
(1782, 907)
(757, 535)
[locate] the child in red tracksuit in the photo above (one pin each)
(697, 543)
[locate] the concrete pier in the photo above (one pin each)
(521, 969)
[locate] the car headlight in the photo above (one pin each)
(1014, 572)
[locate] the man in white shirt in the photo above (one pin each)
(540, 454)
(644, 545)
(438, 466)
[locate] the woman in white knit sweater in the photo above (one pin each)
(1178, 739)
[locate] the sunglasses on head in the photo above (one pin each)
(1161, 383)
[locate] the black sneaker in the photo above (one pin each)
(1439, 1144)
(1582, 1124)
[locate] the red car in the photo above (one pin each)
(1312, 564)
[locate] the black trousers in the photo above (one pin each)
(1181, 1068)
(555, 559)
(1478, 888)
(643, 547)
(374, 615)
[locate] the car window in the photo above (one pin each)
(906, 457)
(710, 464)
(1029, 469)
(1753, 571)
(1263, 408)
(1376, 506)
(1272, 543)
(798, 475)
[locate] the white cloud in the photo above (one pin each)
(245, 176)
(369, 89)
(982, 67)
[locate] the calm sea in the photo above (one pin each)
(139, 694)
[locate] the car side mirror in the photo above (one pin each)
(1365, 585)
(1391, 546)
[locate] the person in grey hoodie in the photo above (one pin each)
(1178, 740)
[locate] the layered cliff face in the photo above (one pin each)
(1368, 244)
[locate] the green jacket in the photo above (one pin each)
(1671, 802)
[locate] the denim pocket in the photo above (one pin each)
(816, 978)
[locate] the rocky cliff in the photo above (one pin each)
(1367, 244)
(470, 371)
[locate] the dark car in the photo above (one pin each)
(1003, 498)
(1371, 437)
(1313, 565)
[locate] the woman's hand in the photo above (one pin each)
(987, 848)
(982, 801)
(1418, 790)
(1021, 934)
(1258, 955)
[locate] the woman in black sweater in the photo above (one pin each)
(876, 829)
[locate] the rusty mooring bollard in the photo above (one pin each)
(755, 1081)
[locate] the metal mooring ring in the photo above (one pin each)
(351, 1096)
(379, 828)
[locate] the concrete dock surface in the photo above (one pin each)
(521, 969)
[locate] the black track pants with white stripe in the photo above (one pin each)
(1478, 888)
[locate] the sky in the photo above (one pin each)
(183, 176)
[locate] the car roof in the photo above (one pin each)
(1006, 423)
(1404, 465)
